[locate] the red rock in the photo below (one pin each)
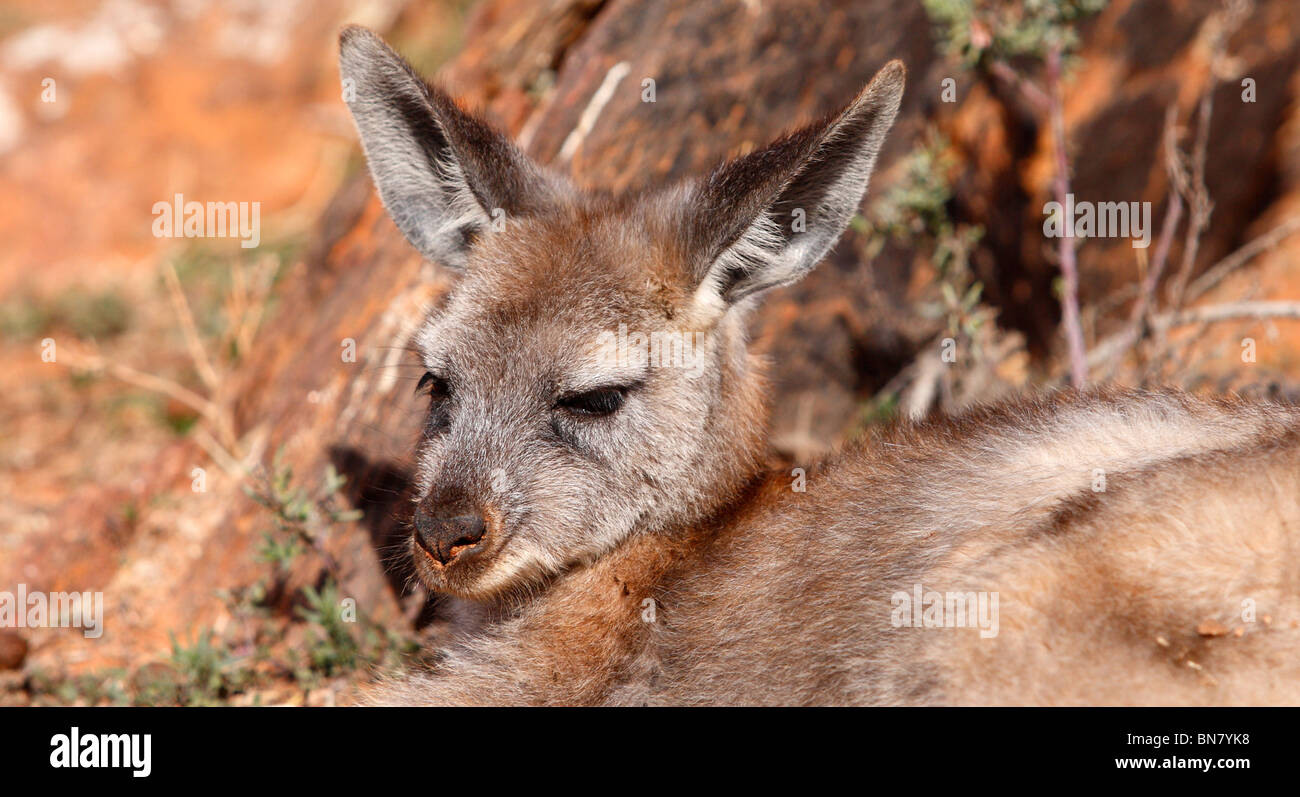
(13, 650)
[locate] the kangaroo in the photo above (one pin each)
(606, 499)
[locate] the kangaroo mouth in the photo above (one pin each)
(456, 554)
(455, 568)
(457, 550)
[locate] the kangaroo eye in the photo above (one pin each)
(434, 387)
(605, 401)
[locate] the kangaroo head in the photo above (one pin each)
(588, 377)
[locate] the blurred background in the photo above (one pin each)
(217, 437)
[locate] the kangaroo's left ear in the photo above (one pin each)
(767, 218)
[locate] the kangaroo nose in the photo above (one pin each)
(444, 538)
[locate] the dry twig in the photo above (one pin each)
(1078, 356)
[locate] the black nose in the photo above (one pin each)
(445, 537)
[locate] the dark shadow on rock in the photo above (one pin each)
(381, 490)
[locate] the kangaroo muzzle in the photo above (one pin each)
(445, 537)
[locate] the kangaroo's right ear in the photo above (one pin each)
(444, 175)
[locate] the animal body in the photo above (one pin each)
(590, 467)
